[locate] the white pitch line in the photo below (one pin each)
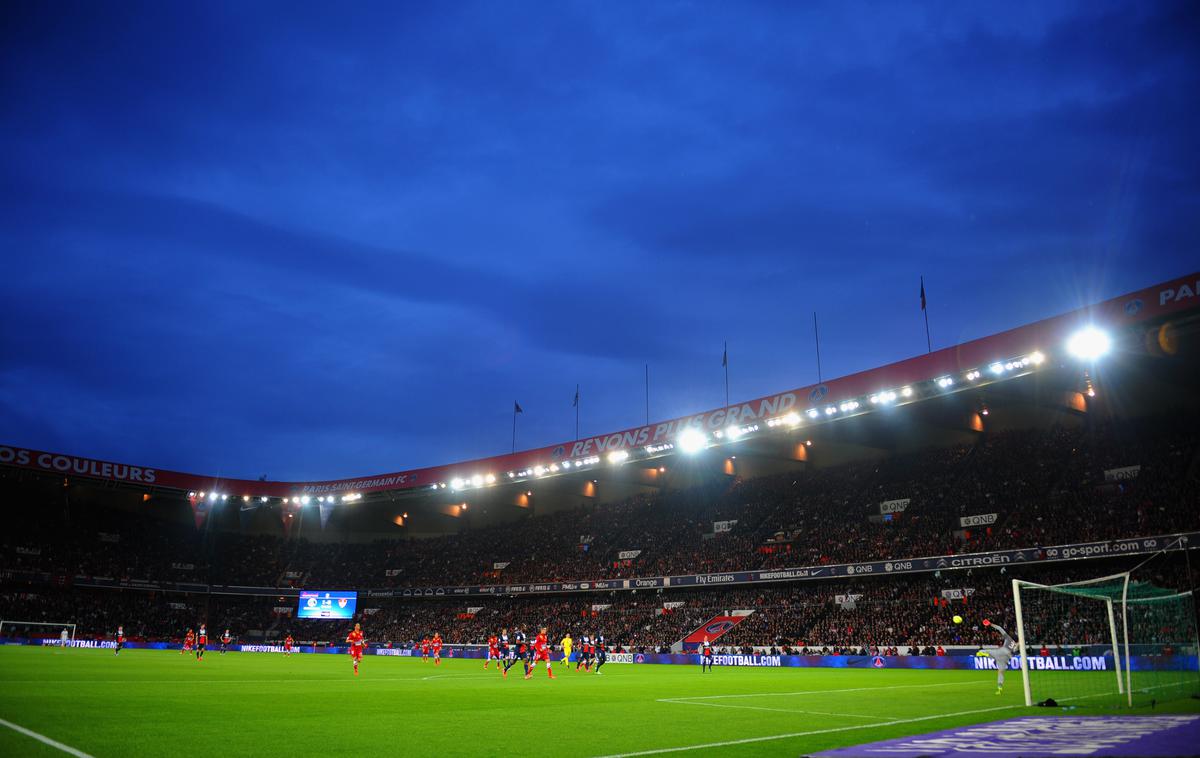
(683, 701)
(791, 735)
(44, 739)
(826, 692)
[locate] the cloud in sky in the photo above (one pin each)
(288, 239)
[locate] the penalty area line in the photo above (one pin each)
(791, 735)
(44, 739)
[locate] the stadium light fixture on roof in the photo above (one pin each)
(907, 392)
(477, 480)
(996, 368)
(618, 456)
(539, 470)
(813, 413)
(792, 418)
(456, 483)
(830, 411)
(1089, 343)
(262, 499)
(212, 496)
(490, 479)
(692, 441)
(224, 498)
(304, 500)
(945, 382)
(1036, 357)
(245, 498)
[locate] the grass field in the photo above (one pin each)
(157, 703)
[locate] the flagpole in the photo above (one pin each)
(725, 362)
(647, 394)
(514, 445)
(817, 337)
(576, 411)
(925, 310)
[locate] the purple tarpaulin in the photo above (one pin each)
(1038, 736)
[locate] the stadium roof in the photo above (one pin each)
(1017, 352)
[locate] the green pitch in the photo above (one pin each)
(145, 703)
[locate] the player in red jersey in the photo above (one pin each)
(189, 641)
(287, 645)
(225, 640)
(120, 640)
(425, 650)
(541, 652)
(201, 642)
(706, 656)
(437, 648)
(357, 643)
(493, 652)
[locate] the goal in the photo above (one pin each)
(1106, 642)
(46, 630)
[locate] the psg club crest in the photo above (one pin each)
(558, 452)
(639, 658)
(1133, 307)
(719, 627)
(341, 602)
(818, 393)
(878, 662)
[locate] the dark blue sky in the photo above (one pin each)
(247, 238)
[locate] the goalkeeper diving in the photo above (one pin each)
(1002, 653)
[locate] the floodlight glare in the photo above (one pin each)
(456, 483)
(733, 432)
(813, 413)
(617, 456)
(1089, 344)
(692, 441)
(792, 418)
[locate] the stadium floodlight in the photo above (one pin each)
(262, 499)
(1036, 357)
(813, 413)
(792, 418)
(490, 479)
(996, 368)
(692, 441)
(304, 500)
(907, 392)
(830, 411)
(945, 382)
(1089, 343)
(618, 456)
(539, 470)
(477, 480)
(191, 494)
(733, 432)
(457, 483)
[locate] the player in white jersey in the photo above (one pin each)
(64, 638)
(1002, 653)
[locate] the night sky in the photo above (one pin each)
(311, 240)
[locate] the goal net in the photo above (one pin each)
(1107, 642)
(44, 630)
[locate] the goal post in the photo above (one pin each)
(21, 628)
(1110, 641)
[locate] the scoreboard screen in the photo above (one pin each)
(323, 604)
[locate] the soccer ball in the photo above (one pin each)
(958, 619)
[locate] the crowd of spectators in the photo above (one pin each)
(1046, 486)
(909, 612)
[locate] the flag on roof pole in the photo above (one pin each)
(575, 404)
(516, 409)
(725, 363)
(928, 342)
